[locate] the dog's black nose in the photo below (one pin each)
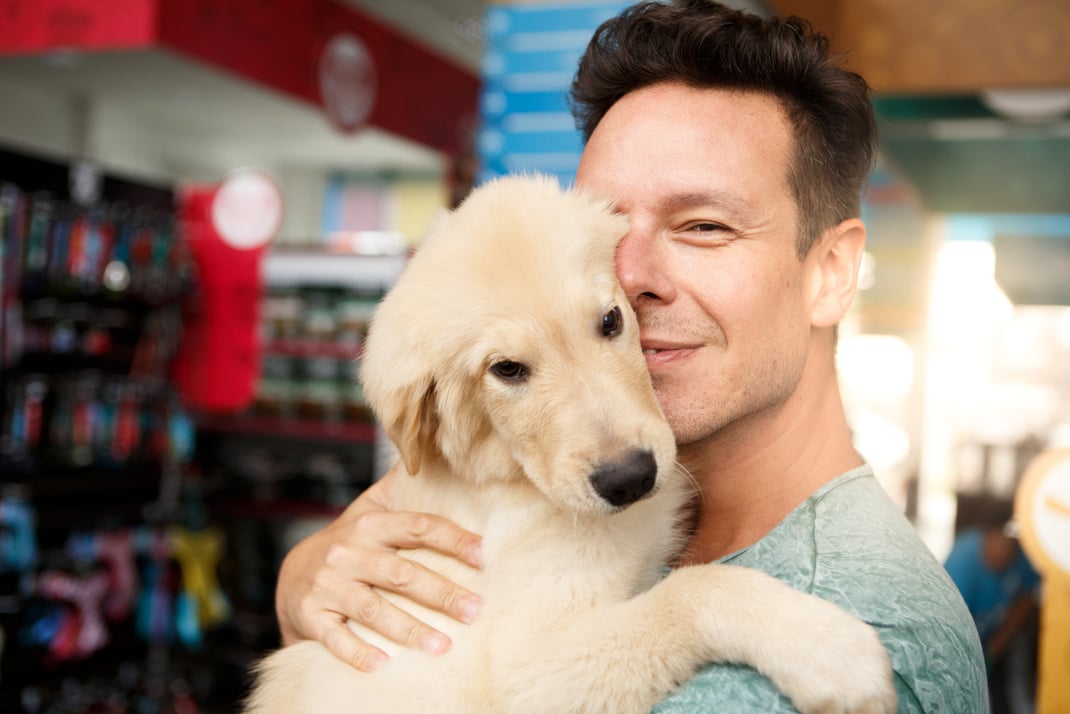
(624, 482)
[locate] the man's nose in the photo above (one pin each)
(643, 267)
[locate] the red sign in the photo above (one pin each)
(402, 86)
(31, 26)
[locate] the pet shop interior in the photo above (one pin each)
(201, 203)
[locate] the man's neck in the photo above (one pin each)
(755, 472)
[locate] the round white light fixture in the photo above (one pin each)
(247, 210)
(348, 82)
(1031, 105)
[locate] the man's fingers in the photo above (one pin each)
(343, 644)
(364, 605)
(392, 572)
(422, 530)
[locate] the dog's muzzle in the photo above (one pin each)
(625, 481)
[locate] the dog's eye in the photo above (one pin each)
(612, 323)
(509, 371)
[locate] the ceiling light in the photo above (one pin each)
(1032, 105)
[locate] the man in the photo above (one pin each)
(738, 150)
(1001, 590)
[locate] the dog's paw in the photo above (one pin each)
(838, 665)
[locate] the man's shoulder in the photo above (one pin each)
(869, 559)
(850, 545)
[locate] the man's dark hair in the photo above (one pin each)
(704, 44)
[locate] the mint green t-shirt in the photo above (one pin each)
(849, 544)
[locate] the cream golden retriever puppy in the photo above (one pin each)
(505, 365)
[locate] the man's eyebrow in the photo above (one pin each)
(713, 198)
(727, 201)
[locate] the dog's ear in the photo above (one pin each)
(398, 372)
(401, 392)
(413, 423)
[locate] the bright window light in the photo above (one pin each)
(875, 368)
(966, 301)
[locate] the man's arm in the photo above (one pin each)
(1018, 614)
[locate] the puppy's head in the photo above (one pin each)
(508, 349)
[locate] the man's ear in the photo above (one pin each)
(835, 261)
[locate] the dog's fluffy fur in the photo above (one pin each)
(523, 411)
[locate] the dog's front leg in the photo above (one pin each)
(624, 657)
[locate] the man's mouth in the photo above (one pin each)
(662, 352)
(651, 344)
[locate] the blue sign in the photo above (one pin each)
(529, 61)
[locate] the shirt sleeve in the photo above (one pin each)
(726, 688)
(742, 690)
(850, 545)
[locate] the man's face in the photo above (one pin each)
(709, 263)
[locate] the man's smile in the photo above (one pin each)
(658, 352)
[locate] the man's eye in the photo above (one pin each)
(706, 233)
(509, 371)
(612, 323)
(707, 227)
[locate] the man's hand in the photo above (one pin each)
(328, 578)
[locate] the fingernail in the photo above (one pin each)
(468, 608)
(374, 661)
(475, 555)
(435, 644)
